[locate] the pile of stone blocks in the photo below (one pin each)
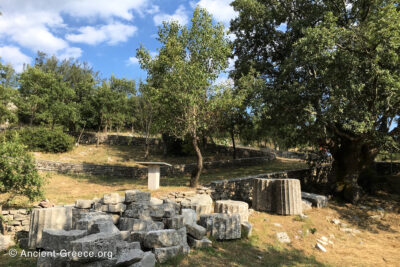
(136, 229)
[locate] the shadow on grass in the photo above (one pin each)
(243, 253)
(370, 213)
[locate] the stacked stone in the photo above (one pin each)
(15, 226)
(195, 233)
(222, 226)
(236, 207)
(282, 196)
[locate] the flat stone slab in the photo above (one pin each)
(189, 216)
(58, 239)
(113, 198)
(154, 163)
(175, 222)
(132, 224)
(202, 243)
(318, 201)
(231, 207)
(83, 204)
(196, 231)
(137, 196)
(148, 260)
(164, 254)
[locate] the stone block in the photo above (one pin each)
(175, 222)
(20, 217)
(113, 198)
(318, 201)
(201, 203)
(148, 260)
(189, 216)
(156, 211)
(231, 207)
(202, 243)
(59, 239)
(138, 210)
(115, 218)
(83, 204)
(116, 208)
(168, 212)
(196, 231)
(222, 226)
(161, 239)
(306, 205)
(166, 253)
(50, 218)
(247, 229)
(131, 224)
(128, 257)
(137, 196)
(156, 201)
(6, 241)
(93, 222)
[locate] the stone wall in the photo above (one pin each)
(113, 139)
(140, 172)
(15, 223)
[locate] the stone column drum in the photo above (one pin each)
(282, 196)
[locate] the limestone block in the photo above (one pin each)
(137, 196)
(50, 218)
(137, 210)
(196, 231)
(116, 208)
(195, 243)
(91, 222)
(231, 207)
(148, 260)
(58, 239)
(115, 218)
(156, 201)
(189, 216)
(247, 228)
(263, 195)
(170, 204)
(83, 204)
(318, 201)
(131, 224)
(6, 241)
(161, 239)
(175, 222)
(156, 211)
(163, 254)
(201, 203)
(129, 257)
(113, 198)
(222, 226)
(168, 212)
(183, 236)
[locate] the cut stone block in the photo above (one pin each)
(131, 224)
(282, 196)
(57, 239)
(195, 243)
(318, 201)
(189, 216)
(116, 208)
(83, 204)
(50, 218)
(129, 257)
(156, 201)
(6, 241)
(231, 207)
(113, 198)
(148, 260)
(201, 203)
(90, 222)
(175, 222)
(247, 228)
(137, 210)
(156, 211)
(164, 254)
(137, 196)
(306, 205)
(161, 239)
(222, 226)
(183, 236)
(196, 231)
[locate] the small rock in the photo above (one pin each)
(335, 221)
(277, 224)
(247, 228)
(320, 247)
(283, 237)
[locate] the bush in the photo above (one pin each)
(42, 139)
(18, 174)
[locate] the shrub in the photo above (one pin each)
(18, 174)
(42, 139)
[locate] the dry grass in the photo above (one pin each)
(119, 155)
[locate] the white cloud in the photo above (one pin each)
(132, 61)
(180, 16)
(112, 34)
(13, 55)
(220, 9)
(70, 52)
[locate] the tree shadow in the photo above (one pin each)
(370, 214)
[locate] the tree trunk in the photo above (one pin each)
(233, 144)
(194, 181)
(350, 160)
(147, 152)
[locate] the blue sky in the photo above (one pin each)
(103, 33)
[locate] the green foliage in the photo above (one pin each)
(18, 175)
(42, 139)
(7, 94)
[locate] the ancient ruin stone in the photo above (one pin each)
(131, 224)
(222, 226)
(318, 201)
(113, 198)
(189, 216)
(201, 203)
(163, 254)
(6, 241)
(116, 208)
(50, 218)
(195, 243)
(156, 211)
(156, 201)
(247, 228)
(83, 204)
(306, 205)
(137, 196)
(161, 238)
(58, 239)
(90, 222)
(283, 237)
(196, 231)
(138, 210)
(175, 222)
(129, 257)
(231, 207)
(148, 260)
(282, 196)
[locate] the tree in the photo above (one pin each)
(18, 175)
(8, 95)
(329, 71)
(189, 60)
